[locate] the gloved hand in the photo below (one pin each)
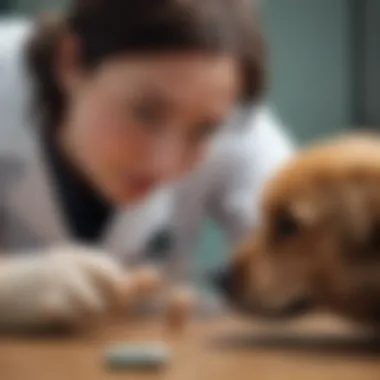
(69, 286)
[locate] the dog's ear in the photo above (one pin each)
(372, 242)
(360, 224)
(363, 246)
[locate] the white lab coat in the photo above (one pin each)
(226, 187)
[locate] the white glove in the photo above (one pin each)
(67, 286)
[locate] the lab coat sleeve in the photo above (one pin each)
(250, 159)
(15, 84)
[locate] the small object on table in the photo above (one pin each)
(140, 286)
(146, 282)
(179, 309)
(137, 357)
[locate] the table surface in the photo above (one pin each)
(222, 349)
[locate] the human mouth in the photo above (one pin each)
(140, 185)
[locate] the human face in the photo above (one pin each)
(134, 124)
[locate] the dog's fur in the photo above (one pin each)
(319, 241)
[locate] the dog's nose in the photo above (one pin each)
(223, 279)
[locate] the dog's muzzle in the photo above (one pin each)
(226, 282)
(223, 280)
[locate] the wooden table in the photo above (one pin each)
(223, 349)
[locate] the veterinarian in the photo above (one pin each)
(124, 127)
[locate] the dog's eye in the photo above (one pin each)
(286, 226)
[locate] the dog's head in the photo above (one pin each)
(319, 241)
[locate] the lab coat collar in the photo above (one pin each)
(34, 201)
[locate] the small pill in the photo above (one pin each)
(139, 356)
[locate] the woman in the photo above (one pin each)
(128, 99)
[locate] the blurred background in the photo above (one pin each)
(324, 60)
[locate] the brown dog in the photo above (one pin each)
(319, 241)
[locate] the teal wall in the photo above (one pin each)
(310, 81)
(35, 6)
(310, 64)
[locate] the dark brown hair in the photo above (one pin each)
(104, 28)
